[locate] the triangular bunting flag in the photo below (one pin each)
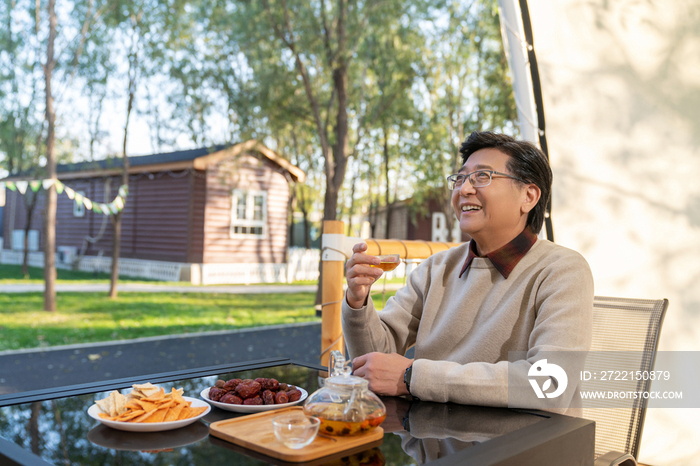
(70, 193)
(123, 190)
(22, 186)
(78, 198)
(113, 209)
(47, 183)
(11, 185)
(104, 209)
(88, 203)
(119, 202)
(96, 208)
(35, 185)
(59, 187)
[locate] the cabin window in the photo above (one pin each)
(79, 207)
(248, 213)
(18, 240)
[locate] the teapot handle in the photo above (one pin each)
(337, 365)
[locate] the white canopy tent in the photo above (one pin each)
(620, 82)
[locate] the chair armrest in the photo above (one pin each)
(615, 458)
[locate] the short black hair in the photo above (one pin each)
(526, 161)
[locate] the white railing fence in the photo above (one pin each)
(156, 270)
(302, 265)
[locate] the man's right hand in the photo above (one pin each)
(360, 275)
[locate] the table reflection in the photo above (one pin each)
(430, 431)
(416, 432)
(148, 442)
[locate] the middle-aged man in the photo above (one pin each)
(466, 308)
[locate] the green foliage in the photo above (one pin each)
(466, 88)
(20, 81)
(90, 317)
(416, 77)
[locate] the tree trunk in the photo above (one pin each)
(33, 427)
(387, 202)
(50, 213)
(116, 246)
(335, 158)
(307, 230)
(351, 211)
(290, 213)
(27, 228)
(340, 159)
(117, 219)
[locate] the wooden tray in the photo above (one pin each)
(255, 432)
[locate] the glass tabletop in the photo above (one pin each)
(60, 431)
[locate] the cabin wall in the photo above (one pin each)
(245, 173)
(198, 187)
(15, 217)
(154, 219)
(176, 217)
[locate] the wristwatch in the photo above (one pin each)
(407, 378)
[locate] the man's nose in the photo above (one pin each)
(466, 188)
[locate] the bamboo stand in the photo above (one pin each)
(331, 294)
(333, 255)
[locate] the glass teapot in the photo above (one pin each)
(345, 405)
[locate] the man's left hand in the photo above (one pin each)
(384, 372)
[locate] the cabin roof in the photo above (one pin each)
(198, 159)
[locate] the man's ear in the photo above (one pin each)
(531, 195)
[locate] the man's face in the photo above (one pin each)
(490, 214)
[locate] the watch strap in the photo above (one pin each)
(407, 378)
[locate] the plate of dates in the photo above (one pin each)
(253, 396)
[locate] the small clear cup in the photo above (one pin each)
(295, 430)
(388, 262)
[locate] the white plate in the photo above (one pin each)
(94, 411)
(247, 409)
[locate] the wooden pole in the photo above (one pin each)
(407, 249)
(332, 291)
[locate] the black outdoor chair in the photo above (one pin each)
(630, 328)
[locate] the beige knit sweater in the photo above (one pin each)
(463, 328)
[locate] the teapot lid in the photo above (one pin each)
(340, 375)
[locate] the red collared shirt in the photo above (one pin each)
(506, 258)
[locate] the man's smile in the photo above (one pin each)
(470, 207)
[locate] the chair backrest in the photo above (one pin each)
(625, 334)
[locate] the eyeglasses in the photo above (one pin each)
(477, 179)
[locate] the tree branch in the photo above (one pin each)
(330, 56)
(83, 34)
(307, 84)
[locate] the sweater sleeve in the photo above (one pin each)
(393, 329)
(563, 302)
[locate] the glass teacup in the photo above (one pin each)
(295, 430)
(388, 262)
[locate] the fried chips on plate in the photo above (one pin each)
(148, 408)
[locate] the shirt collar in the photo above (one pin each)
(506, 258)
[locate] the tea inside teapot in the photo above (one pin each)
(345, 405)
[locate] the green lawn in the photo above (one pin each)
(11, 274)
(92, 317)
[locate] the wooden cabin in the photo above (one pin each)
(225, 207)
